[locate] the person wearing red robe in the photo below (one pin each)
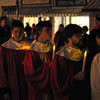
(36, 63)
(18, 39)
(13, 84)
(12, 78)
(66, 76)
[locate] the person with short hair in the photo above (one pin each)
(17, 40)
(28, 29)
(13, 85)
(37, 61)
(66, 76)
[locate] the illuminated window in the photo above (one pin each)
(30, 20)
(80, 20)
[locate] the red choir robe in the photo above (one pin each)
(37, 71)
(12, 74)
(66, 64)
(18, 81)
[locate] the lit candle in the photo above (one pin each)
(25, 46)
(53, 52)
(84, 60)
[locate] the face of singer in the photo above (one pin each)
(18, 33)
(45, 34)
(77, 40)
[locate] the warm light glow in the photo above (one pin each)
(30, 20)
(81, 20)
(25, 46)
(84, 60)
(53, 52)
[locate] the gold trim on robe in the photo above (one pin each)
(71, 53)
(41, 49)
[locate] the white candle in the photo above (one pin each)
(84, 61)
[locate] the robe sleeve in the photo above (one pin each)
(61, 78)
(95, 78)
(35, 71)
(3, 79)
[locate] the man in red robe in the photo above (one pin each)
(12, 78)
(31, 82)
(37, 61)
(66, 77)
(17, 40)
(13, 84)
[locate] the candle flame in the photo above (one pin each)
(53, 47)
(85, 53)
(53, 52)
(84, 60)
(25, 46)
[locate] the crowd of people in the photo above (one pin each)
(40, 72)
